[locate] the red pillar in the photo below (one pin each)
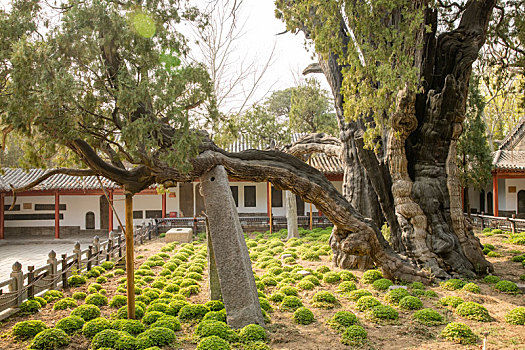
(2, 228)
(57, 215)
(164, 205)
(269, 205)
(110, 209)
(495, 191)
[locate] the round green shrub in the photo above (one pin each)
(354, 335)
(119, 271)
(125, 342)
(214, 305)
(217, 328)
(86, 312)
(324, 299)
(313, 279)
(290, 303)
(52, 295)
(101, 279)
(289, 290)
(488, 246)
(453, 284)
(305, 285)
(451, 301)
(50, 339)
(516, 316)
(310, 255)
(213, 343)
(158, 336)
(459, 333)
(79, 295)
(347, 276)
(66, 303)
(323, 269)
(151, 317)
(41, 301)
(430, 294)
(417, 285)
(331, 277)
(471, 287)
(97, 299)
(122, 313)
(192, 312)
(216, 316)
(158, 306)
(252, 333)
(189, 291)
(70, 324)
(346, 287)
(95, 326)
(492, 254)
(28, 329)
(277, 297)
(107, 265)
(505, 286)
(355, 295)
(132, 327)
(367, 302)
(258, 345)
(394, 296)
(428, 317)
(118, 301)
(382, 284)
(105, 339)
(473, 311)
(176, 305)
(303, 316)
(30, 306)
(265, 304)
(491, 279)
(168, 321)
(76, 280)
(370, 276)
(269, 281)
(410, 303)
(342, 320)
(383, 312)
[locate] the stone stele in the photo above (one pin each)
(234, 267)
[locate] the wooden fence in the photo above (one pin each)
(511, 224)
(54, 275)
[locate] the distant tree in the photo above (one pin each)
(473, 156)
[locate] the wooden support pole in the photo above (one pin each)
(130, 258)
(57, 215)
(311, 218)
(495, 192)
(164, 205)
(2, 226)
(269, 206)
(110, 209)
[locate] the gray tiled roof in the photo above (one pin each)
(514, 136)
(511, 160)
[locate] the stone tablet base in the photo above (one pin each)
(182, 235)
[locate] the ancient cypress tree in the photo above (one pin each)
(104, 81)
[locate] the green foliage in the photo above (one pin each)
(30, 306)
(453, 284)
(76, 280)
(151, 317)
(41, 301)
(79, 295)
(303, 316)
(118, 301)
(28, 329)
(214, 305)
(168, 321)
(331, 277)
(367, 302)
(132, 327)
(105, 339)
(95, 326)
(157, 336)
(342, 320)
(324, 299)
(216, 328)
(355, 295)
(382, 284)
(370, 276)
(253, 333)
(394, 296)
(459, 333)
(213, 343)
(410, 303)
(216, 316)
(97, 299)
(192, 312)
(50, 339)
(347, 276)
(277, 297)
(516, 316)
(451, 300)
(126, 342)
(123, 311)
(472, 287)
(428, 317)
(66, 303)
(505, 286)
(70, 324)
(346, 287)
(383, 312)
(491, 279)
(473, 311)
(86, 312)
(52, 295)
(289, 290)
(305, 285)
(354, 335)
(290, 303)
(107, 265)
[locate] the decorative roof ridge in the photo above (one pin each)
(514, 136)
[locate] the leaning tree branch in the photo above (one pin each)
(312, 143)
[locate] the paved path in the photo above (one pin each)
(34, 252)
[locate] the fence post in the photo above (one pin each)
(149, 231)
(53, 267)
(119, 246)
(482, 222)
(78, 253)
(513, 223)
(96, 245)
(64, 271)
(109, 248)
(30, 280)
(89, 257)
(18, 284)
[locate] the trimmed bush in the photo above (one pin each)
(505, 286)
(122, 313)
(516, 316)
(473, 311)
(70, 324)
(394, 296)
(216, 328)
(331, 277)
(76, 280)
(79, 295)
(354, 335)
(213, 343)
(313, 279)
(168, 321)
(216, 316)
(471, 287)
(107, 265)
(158, 336)
(50, 339)
(417, 285)
(355, 295)
(118, 301)
(383, 312)
(451, 301)
(346, 287)
(265, 304)
(97, 299)
(305, 285)
(252, 333)
(91, 328)
(214, 305)
(52, 295)
(132, 327)
(151, 317)
(367, 302)
(277, 297)
(66, 303)
(342, 320)
(382, 284)
(28, 329)
(105, 339)
(459, 333)
(324, 299)
(87, 312)
(30, 306)
(410, 303)
(192, 312)
(303, 315)
(453, 284)
(290, 303)
(428, 317)
(289, 290)
(370, 276)
(347, 276)
(126, 342)
(491, 279)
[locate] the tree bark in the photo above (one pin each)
(291, 215)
